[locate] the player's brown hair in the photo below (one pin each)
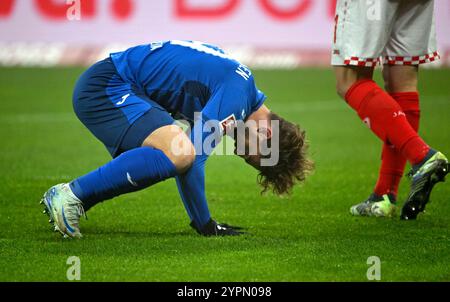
(293, 165)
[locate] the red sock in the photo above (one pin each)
(386, 119)
(393, 163)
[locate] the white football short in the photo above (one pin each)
(394, 32)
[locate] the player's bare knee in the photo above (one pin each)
(343, 85)
(342, 88)
(386, 78)
(387, 86)
(346, 76)
(183, 161)
(175, 144)
(181, 152)
(400, 78)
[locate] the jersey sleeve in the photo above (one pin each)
(238, 98)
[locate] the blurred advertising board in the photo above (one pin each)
(261, 33)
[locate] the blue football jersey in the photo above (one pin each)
(186, 77)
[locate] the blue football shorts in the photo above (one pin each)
(116, 112)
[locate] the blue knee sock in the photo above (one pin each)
(131, 171)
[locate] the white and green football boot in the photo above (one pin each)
(424, 178)
(64, 210)
(378, 206)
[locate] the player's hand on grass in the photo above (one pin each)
(212, 228)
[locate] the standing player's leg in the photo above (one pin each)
(401, 83)
(359, 39)
(376, 109)
(413, 42)
(362, 34)
(386, 118)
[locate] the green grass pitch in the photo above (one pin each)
(146, 236)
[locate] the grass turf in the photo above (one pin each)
(145, 236)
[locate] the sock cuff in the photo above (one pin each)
(409, 101)
(358, 91)
(407, 94)
(76, 190)
(156, 157)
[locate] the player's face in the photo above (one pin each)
(250, 156)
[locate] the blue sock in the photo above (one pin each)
(132, 171)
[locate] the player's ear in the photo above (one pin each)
(265, 133)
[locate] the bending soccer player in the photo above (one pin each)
(401, 35)
(129, 102)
